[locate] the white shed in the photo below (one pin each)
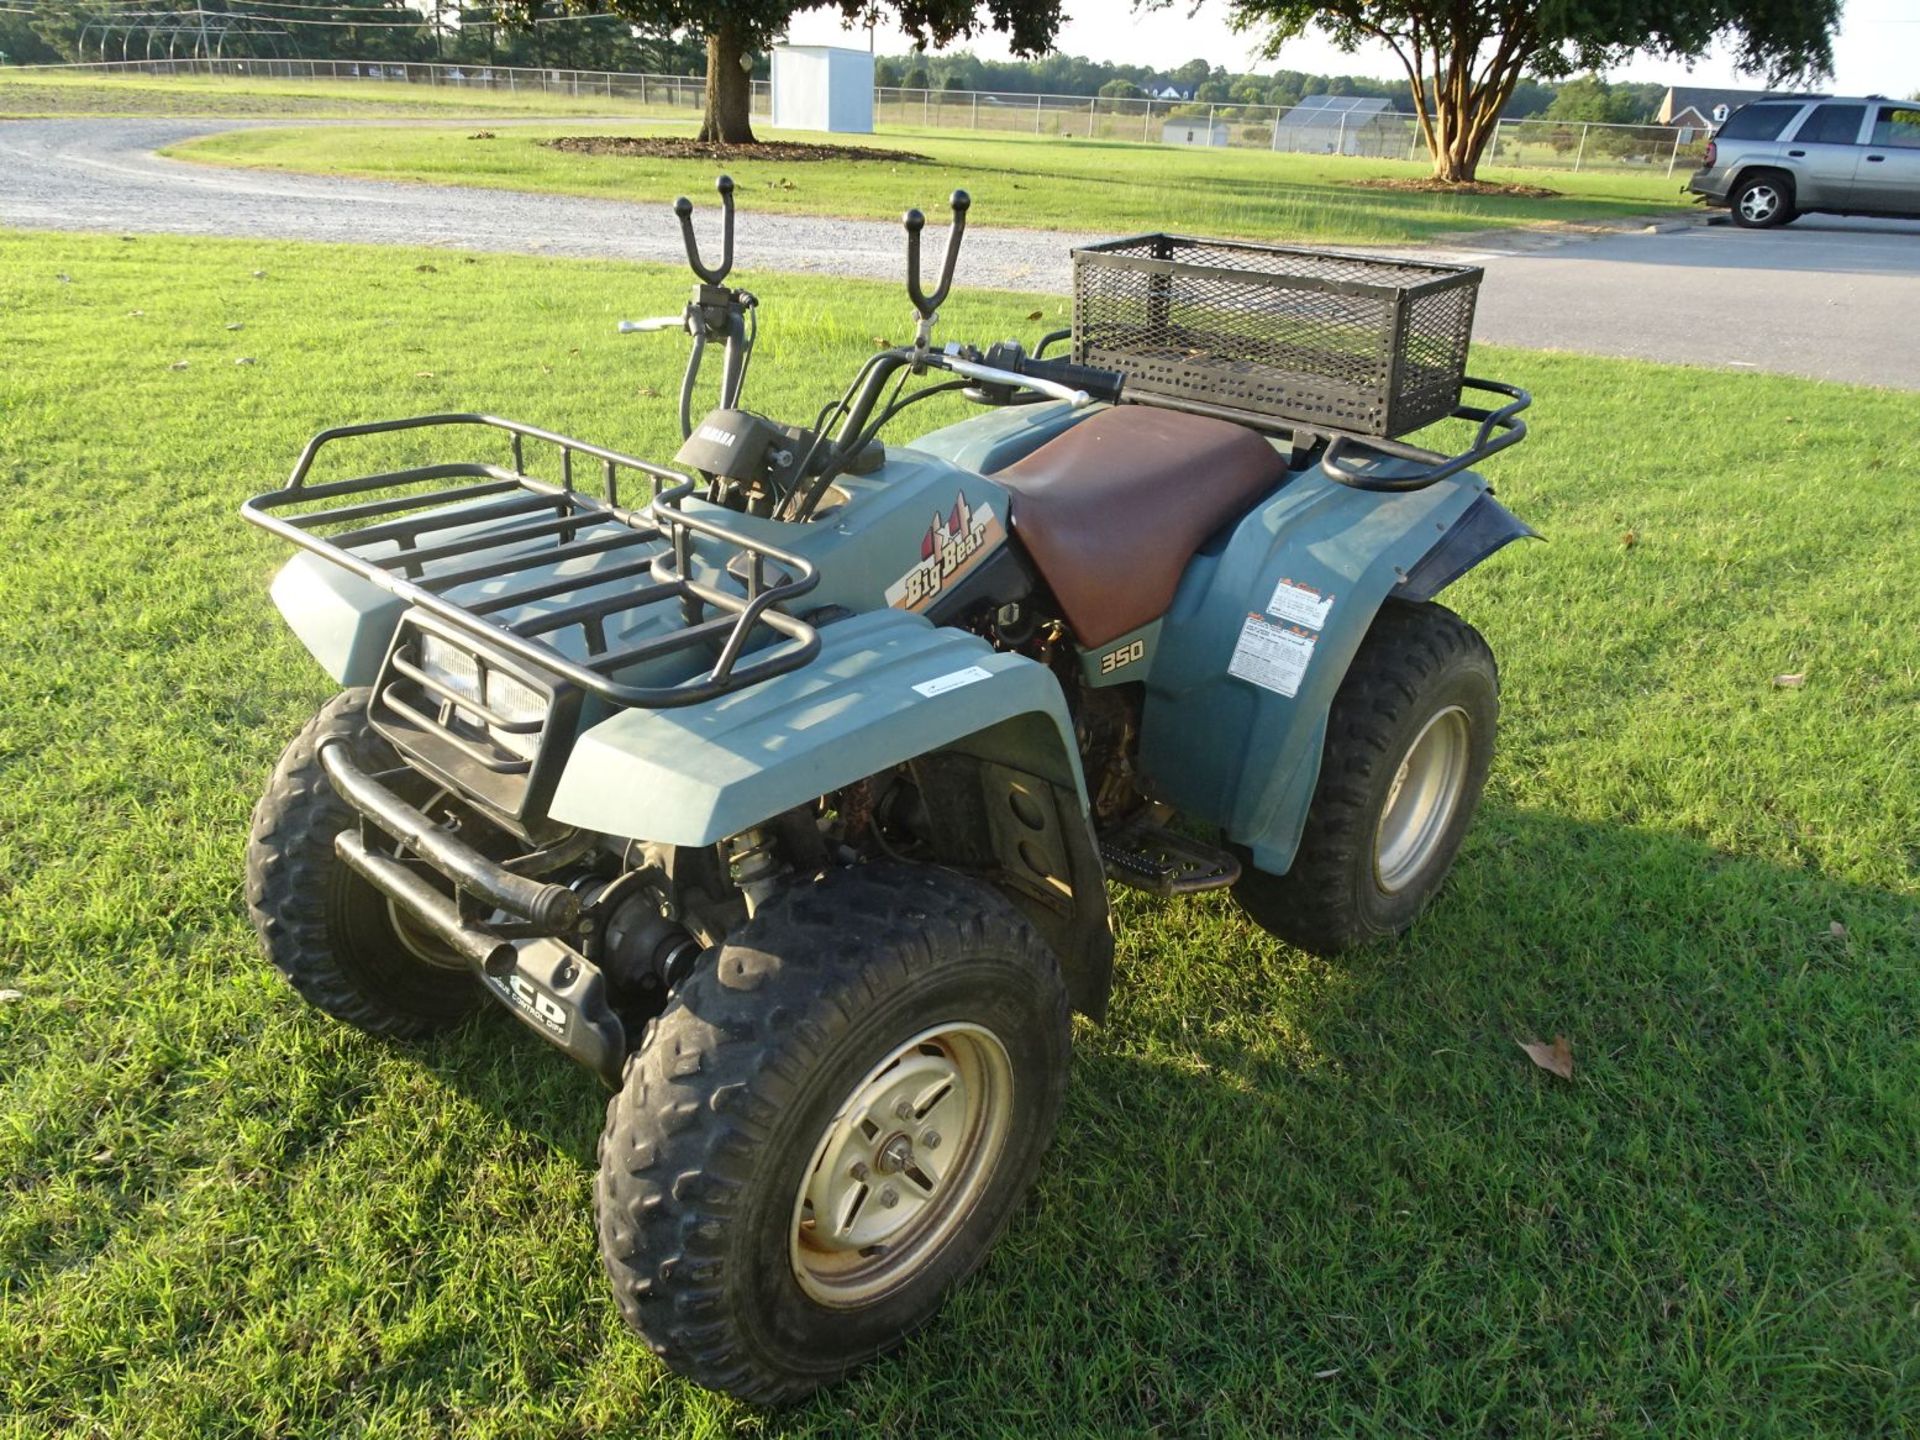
(1192, 131)
(823, 87)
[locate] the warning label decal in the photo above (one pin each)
(1274, 657)
(1299, 604)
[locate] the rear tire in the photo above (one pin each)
(1762, 200)
(327, 930)
(1409, 742)
(743, 1192)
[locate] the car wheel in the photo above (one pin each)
(1762, 201)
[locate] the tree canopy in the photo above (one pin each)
(1464, 58)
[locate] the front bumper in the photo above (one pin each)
(522, 950)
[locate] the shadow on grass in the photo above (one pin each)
(1285, 1190)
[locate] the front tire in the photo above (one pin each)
(1409, 742)
(829, 1126)
(332, 935)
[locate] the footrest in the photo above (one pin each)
(1161, 862)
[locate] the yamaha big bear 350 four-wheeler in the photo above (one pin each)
(783, 790)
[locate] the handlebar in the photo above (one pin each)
(992, 375)
(683, 207)
(653, 323)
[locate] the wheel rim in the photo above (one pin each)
(1421, 802)
(902, 1165)
(1759, 202)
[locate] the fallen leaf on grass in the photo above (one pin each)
(1326, 1374)
(236, 325)
(482, 135)
(1837, 930)
(1556, 1058)
(259, 274)
(179, 365)
(647, 392)
(1789, 682)
(426, 269)
(1630, 539)
(64, 278)
(423, 374)
(1037, 315)
(7, 997)
(879, 342)
(135, 314)
(245, 360)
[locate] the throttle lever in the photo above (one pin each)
(914, 222)
(683, 207)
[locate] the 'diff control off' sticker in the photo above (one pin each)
(1299, 604)
(1274, 657)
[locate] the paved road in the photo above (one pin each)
(1831, 298)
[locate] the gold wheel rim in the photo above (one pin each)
(902, 1165)
(1422, 800)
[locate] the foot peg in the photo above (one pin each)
(1144, 856)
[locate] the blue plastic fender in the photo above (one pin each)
(345, 623)
(887, 687)
(1237, 749)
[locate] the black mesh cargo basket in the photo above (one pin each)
(1371, 346)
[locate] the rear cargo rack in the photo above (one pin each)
(420, 545)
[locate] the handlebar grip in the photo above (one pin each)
(1100, 384)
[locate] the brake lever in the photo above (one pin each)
(683, 207)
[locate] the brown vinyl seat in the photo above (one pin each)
(1112, 510)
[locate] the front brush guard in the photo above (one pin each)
(527, 962)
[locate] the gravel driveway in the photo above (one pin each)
(103, 175)
(1828, 298)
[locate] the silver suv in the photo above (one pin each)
(1783, 156)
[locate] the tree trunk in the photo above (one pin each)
(729, 90)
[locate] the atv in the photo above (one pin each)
(782, 789)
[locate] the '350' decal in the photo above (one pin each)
(1125, 655)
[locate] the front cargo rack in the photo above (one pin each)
(422, 544)
(1358, 344)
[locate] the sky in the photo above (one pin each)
(1876, 52)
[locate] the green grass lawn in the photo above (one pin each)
(1288, 1197)
(1096, 185)
(35, 93)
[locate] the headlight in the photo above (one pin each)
(451, 666)
(512, 701)
(516, 703)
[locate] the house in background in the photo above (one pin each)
(1689, 109)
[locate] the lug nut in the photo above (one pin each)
(859, 1171)
(903, 1109)
(930, 1139)
(889, 1197)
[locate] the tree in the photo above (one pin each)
(735, 29)
(1464, 58)
(1121, 90)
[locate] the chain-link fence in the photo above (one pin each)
(665, 93)
(1311, 129)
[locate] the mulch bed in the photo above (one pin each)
(1459, 187)
(669, 147)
